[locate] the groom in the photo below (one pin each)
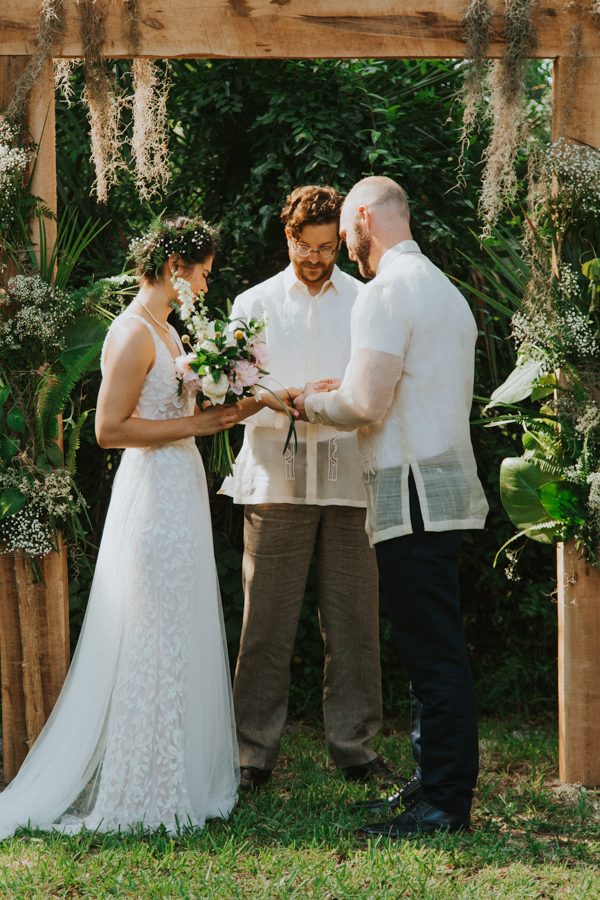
(408, 389)
(309, 501)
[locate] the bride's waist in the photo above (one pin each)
(182, 443)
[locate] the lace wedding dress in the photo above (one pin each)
(143, 731)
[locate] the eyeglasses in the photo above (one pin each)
(324, 252)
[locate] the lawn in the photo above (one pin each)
(530, 838)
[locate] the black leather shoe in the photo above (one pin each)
(404, 796)
(375, 770)
(420, 818)
(251, 778)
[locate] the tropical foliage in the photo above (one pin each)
(552, 492)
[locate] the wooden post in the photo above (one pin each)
(576, 115)
(34, 615)
(34, 648)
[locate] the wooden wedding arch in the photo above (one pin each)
(276, 29)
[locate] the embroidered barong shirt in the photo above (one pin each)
(307, 338)
(408, 388)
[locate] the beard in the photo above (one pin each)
(310, 274)
(362, 251)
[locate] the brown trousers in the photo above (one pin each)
(279, 540)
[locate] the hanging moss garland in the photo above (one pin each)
(51, 29)
(506, 82)
(103, 103)
(477, 22)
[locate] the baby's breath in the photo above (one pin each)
(14, 161)
(33, 316)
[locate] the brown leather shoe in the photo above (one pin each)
(375, 770)
(251, 778)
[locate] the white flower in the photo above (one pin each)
(215, 391)
(185, 295)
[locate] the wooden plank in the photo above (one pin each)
(34, 648)
(576, 116)
(275, 29)
(42, 128)
(578, 669)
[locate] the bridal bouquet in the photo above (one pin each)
(225, 363)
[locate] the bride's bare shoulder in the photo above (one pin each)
(128, 335)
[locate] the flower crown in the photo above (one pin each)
(193, 241)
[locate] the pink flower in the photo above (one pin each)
(184, 371)
(236, 386)
(246, 373)
(259, 352)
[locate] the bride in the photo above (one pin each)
(142, 734)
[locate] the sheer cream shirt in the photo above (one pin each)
(408, 389)
(307, 337)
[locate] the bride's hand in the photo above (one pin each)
(212, 419)
(324, 384)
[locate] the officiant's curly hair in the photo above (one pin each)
(311, 205)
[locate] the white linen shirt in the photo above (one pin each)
(408, 388)
(308, 338)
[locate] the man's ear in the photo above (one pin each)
(365, 218)
(288, 233)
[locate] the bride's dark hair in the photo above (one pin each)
(192, 239)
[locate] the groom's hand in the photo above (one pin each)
(314, 387)
(274, 400)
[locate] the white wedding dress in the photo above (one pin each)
(143, 731)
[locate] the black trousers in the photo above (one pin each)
(419, 581)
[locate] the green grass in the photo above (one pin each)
(295, 839)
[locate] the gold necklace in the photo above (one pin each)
(165, 328)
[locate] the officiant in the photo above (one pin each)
(309, 501)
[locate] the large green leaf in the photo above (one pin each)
(9, 447)
(16, 420)
(520, 483)
(4, 395)
(11, 502)
(84, 333)
(55, 455)
(564, 501)
(519, 383)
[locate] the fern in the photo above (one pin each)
(56, 390)
(74, 441)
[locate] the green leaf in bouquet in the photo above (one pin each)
(564, 501)
(11, 501)
(520, 482)
(16, 420)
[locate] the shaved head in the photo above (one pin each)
(374, 217)
(377, 190)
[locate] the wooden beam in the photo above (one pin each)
(276, 29)
(576, 116)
